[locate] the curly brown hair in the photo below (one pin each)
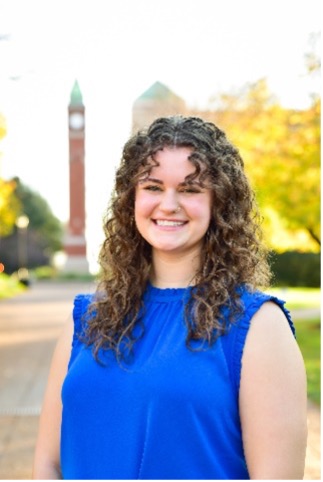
(232, 255)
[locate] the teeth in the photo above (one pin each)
(164, 222)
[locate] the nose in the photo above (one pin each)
(169, 201)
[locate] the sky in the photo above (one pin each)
(117, 49)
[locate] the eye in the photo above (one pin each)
(152, 187)
(190, 190)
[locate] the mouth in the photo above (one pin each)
(169, 223)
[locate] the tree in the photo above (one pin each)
(9, 207)
(281, 150)
(3, 126)
(42, 238)
(9, 204)
(41, 218)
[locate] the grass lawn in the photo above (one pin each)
(298, 297)
(308, 334)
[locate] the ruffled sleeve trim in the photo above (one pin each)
(81, 305)
(252, 302)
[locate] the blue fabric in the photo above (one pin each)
(171, 413)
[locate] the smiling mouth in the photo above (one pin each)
(165, 222)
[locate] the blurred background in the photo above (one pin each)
(250, 66)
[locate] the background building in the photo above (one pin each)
(157, 101)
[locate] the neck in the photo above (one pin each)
(174, 272)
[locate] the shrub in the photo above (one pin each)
(294, 268)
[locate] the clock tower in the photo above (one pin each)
(75, 242)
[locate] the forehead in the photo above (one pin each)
(178, 155)
(172, 161)
(173, 164)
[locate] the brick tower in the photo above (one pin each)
(75, 243)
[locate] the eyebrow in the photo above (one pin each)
(158, 181)
(151, 179)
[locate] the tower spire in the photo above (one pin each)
(76, 95)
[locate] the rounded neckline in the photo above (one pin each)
(164, 294)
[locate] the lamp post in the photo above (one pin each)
(22, 224)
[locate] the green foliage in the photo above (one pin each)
(3, 126)
(41, 218)
(308, 333)
(293, 268)
(290, 179)
(76, 277)
(281, 151)
(44, 272)
(9, 207)
(10, 286)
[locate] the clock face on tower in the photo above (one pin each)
(76, 121)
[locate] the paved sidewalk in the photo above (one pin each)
(29, 327)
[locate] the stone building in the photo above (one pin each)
(157, 101)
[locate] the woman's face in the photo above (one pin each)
(171, 214)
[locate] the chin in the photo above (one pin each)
(166, 247)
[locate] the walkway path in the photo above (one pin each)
(29, 327)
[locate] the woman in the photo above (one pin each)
(180, 368)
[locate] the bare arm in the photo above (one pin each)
(47, 452)
(273, 398)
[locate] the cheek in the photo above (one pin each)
(201, 209)
(143, 204)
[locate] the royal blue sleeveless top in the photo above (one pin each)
(170, 413)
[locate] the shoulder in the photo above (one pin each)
(256, 308)
(270, 319)
(269, 330)
(253, 301)
(81, 317)
(270, 337)
(82, 303)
